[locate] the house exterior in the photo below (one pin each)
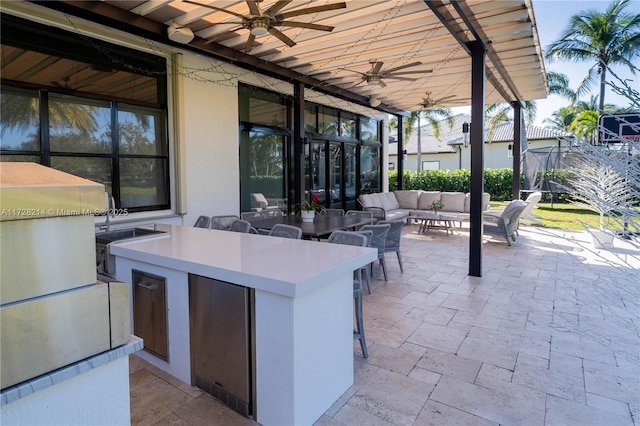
(448, 152)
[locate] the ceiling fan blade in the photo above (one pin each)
(249, 45)
(277, 6)
(444, 99)
(356, 71)
(286, 40)
(382, 83)
(310, 10)
(222, 37)
(386, 73)
(357, 84)
(304, 25)
(376, 68)
(392, 77)
(413, 64)
(254, 10)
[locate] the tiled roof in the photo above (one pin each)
(450, 137)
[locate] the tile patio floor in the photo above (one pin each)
(549, 335)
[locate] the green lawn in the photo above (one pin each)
(562, 216)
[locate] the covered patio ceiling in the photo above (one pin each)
(397, 33)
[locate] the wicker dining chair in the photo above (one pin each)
(285, 231)
(332, 212)
(354, 239)
(392, 244)
(362, 214)
(222, 222)
(253, 215)
(369, 235)
(240, 225)
(378, 241)
(202, 222)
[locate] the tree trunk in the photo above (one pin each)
(603, 86)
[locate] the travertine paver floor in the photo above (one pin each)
(549, 335)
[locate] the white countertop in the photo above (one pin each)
(278, 265)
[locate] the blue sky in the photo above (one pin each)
(552, 18)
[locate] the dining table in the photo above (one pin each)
(322, 225)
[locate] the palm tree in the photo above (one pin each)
(561, 119)
(434, 118)
(559, 85)
(497, 114)
(609, 38)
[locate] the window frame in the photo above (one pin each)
(48, 40)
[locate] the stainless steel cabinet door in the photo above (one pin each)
(150, 312)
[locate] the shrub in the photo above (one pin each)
(497, 182)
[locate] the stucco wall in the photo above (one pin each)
(97, 397)
(495, 156)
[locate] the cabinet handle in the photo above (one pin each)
(147, 286)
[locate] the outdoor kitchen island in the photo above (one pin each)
(302, 314)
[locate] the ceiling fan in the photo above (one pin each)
(376, 75)
(429, 103)
(260, 22)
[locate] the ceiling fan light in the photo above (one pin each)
(259, 28)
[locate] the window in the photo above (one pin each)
(369, 169)
(431, 165)
(328, 122)
(99, 111)
(392, 165)
(369, 129)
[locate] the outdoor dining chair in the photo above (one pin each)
(369, 235)
(362, 214)
(202, 222)
(285, 231)
(392, 244)
(222, 222)
(240, 225)
(333, 212)
(378, 241)
(354, 239)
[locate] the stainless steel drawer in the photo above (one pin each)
(42, 335)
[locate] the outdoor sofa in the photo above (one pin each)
(407, 203)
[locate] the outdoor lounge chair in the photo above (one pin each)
(260, 202)
(506, 224)
(532, 202)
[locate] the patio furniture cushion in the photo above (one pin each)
(407, 199)
(486, 197)
(397, 214)
(389, 202)
(426, 198)
(370, 200)
(453, 201)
